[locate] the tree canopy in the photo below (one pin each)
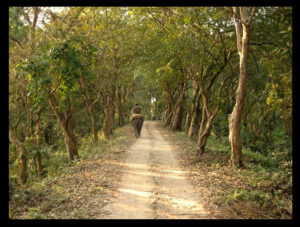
(78, 71)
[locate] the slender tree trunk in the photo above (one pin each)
(169, 119)
(192, 108)
(202, 123)
(28, 128)
(94, 128)
(155, 112)
(106, 123)
(120, 113)
(204, 135)
(36, 12)
(234, 119)
(90, 108)
(22, 154)
(288, 124)
(194, 125)
(119, 106)
(112, 112)
(70, 137)
(38, 143)
(188, 120)
(168, 114)
(71, 145)
(203, 132)
(65, 125)
(158, 114)
(108, 106)
(177, 117)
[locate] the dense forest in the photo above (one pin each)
(212, 73)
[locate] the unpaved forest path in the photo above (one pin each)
(153, 185)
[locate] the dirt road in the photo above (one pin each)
(153, 185)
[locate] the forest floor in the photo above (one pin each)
(157, 176)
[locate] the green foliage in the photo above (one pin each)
(220, 127)
(17, 28)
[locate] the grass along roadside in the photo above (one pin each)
(261, 190)
(74, 189)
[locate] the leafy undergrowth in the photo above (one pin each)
(262, 189)
(78, 188)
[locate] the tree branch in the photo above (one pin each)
(251, 17)
(238, 29)
(15, 40)
(159, 22)
(35, 17)
(54, 89)
(219, 95)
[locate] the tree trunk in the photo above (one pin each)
(234, 119)
(205, 133)
(28, 125)
(203, 139)
(22, 154)
(108, 108)
(112, 121)
(169, 115)
(32, 23)
(177, 117)
(71, 145)
(90, 108)
(119, 107)
(40, 166)
(65, 125)
(112, 112)
(70, 137)
(94, 127)
(38, 142)
(158, 114)
(188, 121)
(194, 125)
(288, 124)
(106, 123)
(235, 142)
(120, 114)
(202, 123)
(192, 108)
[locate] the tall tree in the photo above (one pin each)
(242, 24)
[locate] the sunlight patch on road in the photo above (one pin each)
(186, 203)
(135, 192)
